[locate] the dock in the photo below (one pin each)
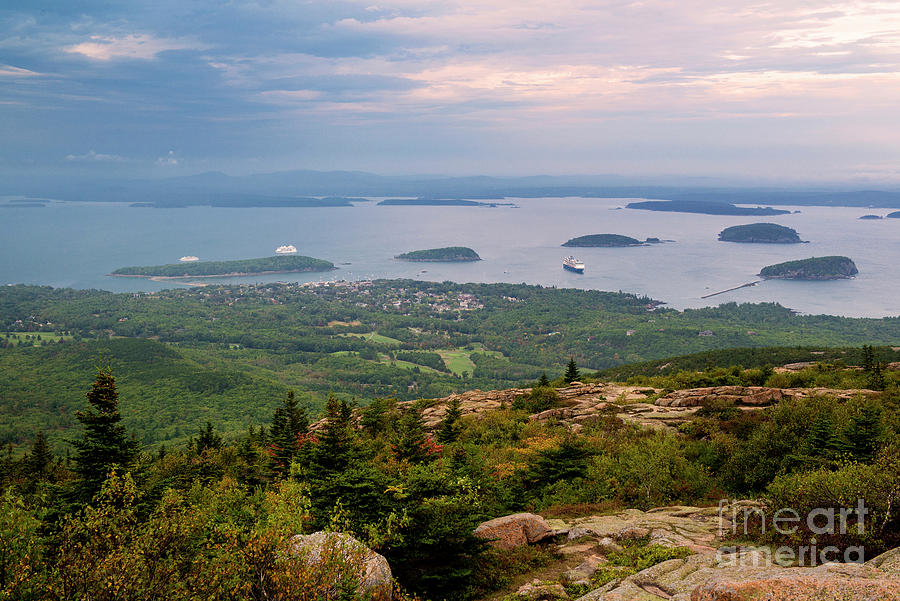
(747, 285)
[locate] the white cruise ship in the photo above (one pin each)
(286, 249)
(189, 259)
(572, 264)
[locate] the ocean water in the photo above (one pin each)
(77, 244)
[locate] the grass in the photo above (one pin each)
(382, 358)
(33, 337)
(373, 337)
(457, 361)
(336, 322)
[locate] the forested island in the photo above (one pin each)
(871, 217)
(702, 207)
(449, 254)
(815, 268)
(894, 215)
(441, 202)
(765, 233)
(606, 240)
(265, 265)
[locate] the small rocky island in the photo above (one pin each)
(871, 217)
(763, 233)
(894, 215)
(211, 269)
(608, 240)
(815, 268)
(449, 254)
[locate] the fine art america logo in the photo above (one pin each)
(737, 519)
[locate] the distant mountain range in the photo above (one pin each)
(283, 188)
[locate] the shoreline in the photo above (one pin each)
(235, 274)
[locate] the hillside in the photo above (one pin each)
(815, 268)
(765, 233)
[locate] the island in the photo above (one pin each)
(763, 233)
(440, 202)
(703, 207)
(815, 268)
(214, 269)
(871, 217)
(894, 215)
(449, 254)
(605, 240)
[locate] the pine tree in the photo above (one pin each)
(207, 439)
(544, 381)
(819, 439)
(288, 422)
(868, 358)
(104, 443)
(40, 459)
(864, 432)
(448, 430)
(411, 445)
(572, 374)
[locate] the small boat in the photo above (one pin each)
(570, 263)
(189, 259)
(286, 249)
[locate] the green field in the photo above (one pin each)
(35, 338)
(373, 337)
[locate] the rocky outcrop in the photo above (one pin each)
(752, 395)
(539, 591)
(373, 573)
(514, 530)
(749, 576)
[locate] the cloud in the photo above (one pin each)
(10, 71)
(133, 46)
(95, 157)
(168, 160)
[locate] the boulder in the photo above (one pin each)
(374, 579)
(539, 591)
(514, 530)
(887, 562)
(582, 573)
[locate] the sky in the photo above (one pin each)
(800, 90)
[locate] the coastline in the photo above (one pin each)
(235, 274)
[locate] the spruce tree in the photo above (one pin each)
(288, 422)
(207, 439)
(864, 432)
(544, 381)
(411, 443)
(104, 443)
(572, 374)
(448, 430)
(41, 458)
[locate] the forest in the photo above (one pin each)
(227, 353)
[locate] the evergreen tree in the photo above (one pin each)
(104, 443)
(864, 432)
(448, 430)
(544, 382)
(40, 459)
(207, 439)
(412, 445)
(288, 422)
(819, 439)
(572, 374)
(868, 358)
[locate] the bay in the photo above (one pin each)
(76, 244)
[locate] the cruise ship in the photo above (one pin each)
(570, 263)
(286, 249)
(189, 259)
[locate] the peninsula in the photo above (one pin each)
(894, 215)
(815, 268)
(764, 233)
(449, 254)
(702, 207)
(605, 240)
(209, 269)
